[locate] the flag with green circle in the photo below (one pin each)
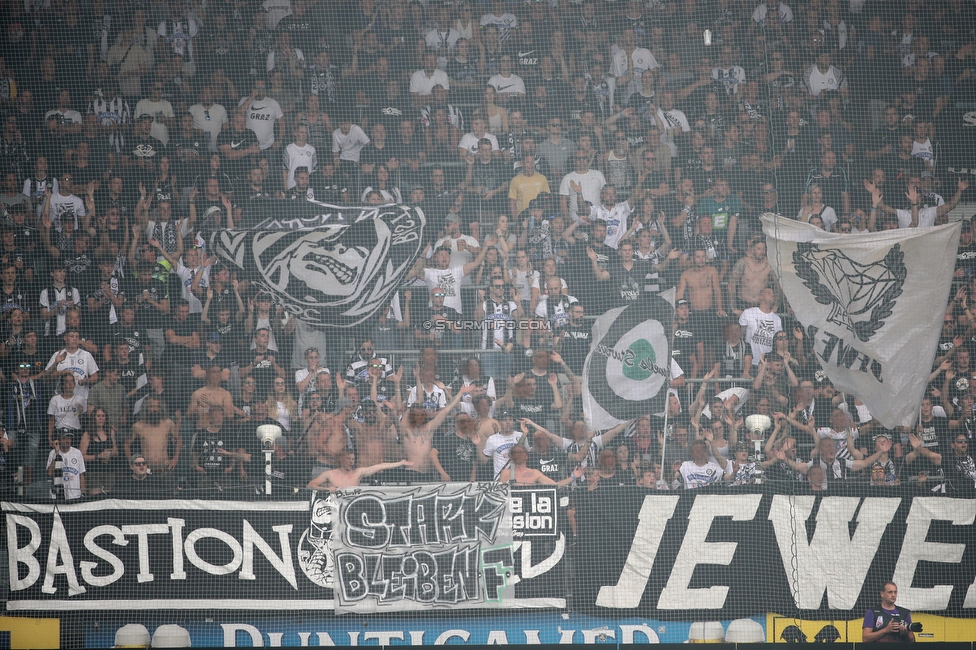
(628, 369)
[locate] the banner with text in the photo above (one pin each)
(172, 554)
(446, 546)
(724, 555)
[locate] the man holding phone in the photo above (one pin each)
(889, 623)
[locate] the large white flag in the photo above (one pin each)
(628, 369)
(871, 304)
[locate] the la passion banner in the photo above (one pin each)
(234, 555)
(684, 555)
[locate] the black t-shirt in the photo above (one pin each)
(179, 355)
(554, 463)
(263, 370)
(575, 345)
(191, 152)
(237, 142)
(685, 343)
(539, 407)
(935, 437)
(628, 285)
(206, 446)
(147, 316)
(457, 455)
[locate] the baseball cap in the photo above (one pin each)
(341, 403)
(214, 337)
(681, 302)
(417, 186)
(506, 415)
(453, 218)
(145, 116)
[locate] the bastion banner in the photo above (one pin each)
(681, 556)
(449, 545)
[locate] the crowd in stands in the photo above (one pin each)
(569, 157)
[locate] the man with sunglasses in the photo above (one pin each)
(959, 467)
(437, 323)
(140, 484)
(502, 312)
(357, 372)
(208, 116)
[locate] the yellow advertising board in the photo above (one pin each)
(31, 632)
(780, 629)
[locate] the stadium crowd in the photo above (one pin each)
(569, 156)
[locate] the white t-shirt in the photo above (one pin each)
(73, 466)
(695, 476)
(349, 145)
(505, 24)
(186, 281)
(641, 59)
(731, 78)
(159, 130)
(67, 412)
(817, 82)
(261, 118)
(67, 207)
(760, 330)
(497, 448)
(459, 257)
(592, 182)
(46, 300)
(449, 280)
(300, 376)
(295, 157)
(421, 84)
(674, 121)
(66, 116)
(507, 85)
(81, 364)
(218, 117)
(616, 220)
(926, 217)
(469, 141)
(762, 11)
(433, 401)
(828, 215)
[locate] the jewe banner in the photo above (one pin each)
(725, 554)
(233, 555)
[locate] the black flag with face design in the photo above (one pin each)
(326, 265)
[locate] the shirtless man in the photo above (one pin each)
(525, 475)
(327, 435)
(212, 395)
(749, 276)
(417, 434)
(375, 436)
(345, 476)
(154, 433)
(701, 282)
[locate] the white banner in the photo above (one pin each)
(872, 305)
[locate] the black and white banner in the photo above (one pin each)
(726, 555)
(627, 370)
(172, 554)
(871, 304)
(327, 265)
(445, 546)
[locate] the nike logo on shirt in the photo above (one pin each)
(501, 88)
(525, 54)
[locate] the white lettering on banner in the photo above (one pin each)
(118, 567)
(176, 528)
(59, 548)
(23, 554)
(283, 564)
(189, 547)
(914, 549)
(654, 515)
(497, 637)
(142, 533)
(627, 634)
(695, 550)
(530, 570)
(842, 581)
(231, 630)
(384, 638)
